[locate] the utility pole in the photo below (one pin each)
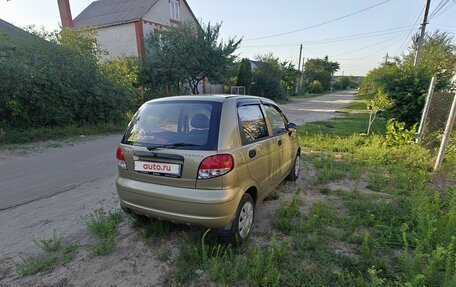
(298, 87)
(302, 75)
(423, 32)
(386, 59)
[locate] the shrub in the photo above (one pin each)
(59, 83)
(315, 87)
(406, 85)
(397, 134)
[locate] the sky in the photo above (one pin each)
(359, 42)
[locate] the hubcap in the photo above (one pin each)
(245, 219)
(297, 162)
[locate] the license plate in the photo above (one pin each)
(158, 168)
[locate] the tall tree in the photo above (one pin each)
(407, 86)
(184, 56)
(438, 57)
(321, 70)
(267, 78)
(244, 77)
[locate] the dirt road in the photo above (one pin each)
(52, 189)
(322, 108)
(43, 174)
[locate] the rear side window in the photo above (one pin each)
(179, 122)
(253, 124)
(278, 123)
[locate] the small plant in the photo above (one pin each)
(397, 134)
(33, 265)
(227, 265)
(155, 228)
(163, 253)
(103, 227)
(380, 102)
(287, 216)
(315, 87)
(55, 254)
(68, 253)
(149, 227)
(104, 246)
(51, 244)
(325, 190)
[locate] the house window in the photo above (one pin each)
(174, 6)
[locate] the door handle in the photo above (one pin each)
(279, 142)
(252, 153)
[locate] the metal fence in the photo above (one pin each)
(437, 123)
(238, 90)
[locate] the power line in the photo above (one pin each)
(369, 46)
(408, 35)
(319, 24)
(376, 51)
(439, 8)
(444, 11)
(337, 39)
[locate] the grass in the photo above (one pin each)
(55, 254)
(21, 136)
(394, 225)
(352, 120)
(226, 265)
(150, 228)
(103, 226)
(50, 244)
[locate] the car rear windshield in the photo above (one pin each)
(192, 125)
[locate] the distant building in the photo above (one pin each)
(122, 25)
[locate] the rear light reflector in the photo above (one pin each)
(121, 158)
(216, 165)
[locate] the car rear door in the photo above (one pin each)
(257, 144)
(281, 138)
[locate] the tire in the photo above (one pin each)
(239, 229)
(294, 172)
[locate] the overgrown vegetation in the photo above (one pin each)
(103, 226)
(380, 219)
(318, 74)
(56, 253)
(405, 85)
(54, 80)
(230, 266)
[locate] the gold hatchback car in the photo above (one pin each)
(206, 160)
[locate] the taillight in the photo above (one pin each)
(121, 158)
(216, 165)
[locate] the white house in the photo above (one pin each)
(122, 25)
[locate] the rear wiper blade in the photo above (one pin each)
(170, 146)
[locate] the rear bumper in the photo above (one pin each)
(208, 208)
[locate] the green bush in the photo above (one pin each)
(406, 85)
(244, 76)
(58, 83)
(397, 134)
(315, 87)
(267, 78)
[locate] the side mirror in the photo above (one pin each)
(292, 127)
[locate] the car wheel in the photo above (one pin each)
(239, 229)
(294, 172)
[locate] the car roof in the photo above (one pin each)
(210, 98)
